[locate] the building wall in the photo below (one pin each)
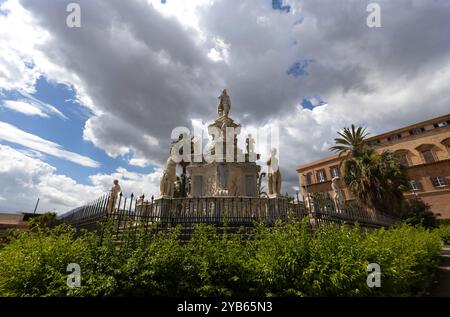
(437, 197)
(12, 221)
(433, 137)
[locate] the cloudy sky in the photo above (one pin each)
(80, 107)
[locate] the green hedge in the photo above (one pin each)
(283, 261)
(444, 232)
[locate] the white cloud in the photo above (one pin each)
(12, 134)
(22, 60)
(30, 106)
(24, 179)
(220, 52)
(24, 107)
(18, 38)
(43, 106)
(140, 162)
(130, 182)
(144, 71)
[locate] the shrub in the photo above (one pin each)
(406, 255)
(34, 264)
(279, 257)
(337, 266)
(218, 263)
(44, 221)
(444, 233)
(286, 260)
(417, 212)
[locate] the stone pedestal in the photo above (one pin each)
(163, 197)
(276, 196)
(277, 205)
(223, 179)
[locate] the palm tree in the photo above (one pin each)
(351, 141)
(376, 180)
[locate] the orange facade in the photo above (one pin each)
(424, 148)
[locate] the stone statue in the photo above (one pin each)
(274, 175)
(234, 186)
(223, 130)
(223, 104)
(337, 193)
(222, 175)
(140, 200)
(250, 144)
(177, 189)
(167, 185)
(113, 193)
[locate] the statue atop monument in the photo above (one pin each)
(223, 104)
(167, 184)
(274, 180)
(113, 193)
(337, 193)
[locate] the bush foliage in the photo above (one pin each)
(444, 232)
(417, 212)
(286, 260)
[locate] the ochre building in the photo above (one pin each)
(424, 148)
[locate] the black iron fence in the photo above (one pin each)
(323, 209)
(236, 212)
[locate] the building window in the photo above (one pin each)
(321, 177)
(394, 137)
(428, 156)
(413, 185)
(416, 131)
(403, 158)
(446, 143)
(374, 143)
(308, 179)
(438, 181)
(342, 192)
(441, 124)
(334, 171)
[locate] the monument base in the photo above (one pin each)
(163, 197)
(276, 196)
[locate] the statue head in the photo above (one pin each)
(116, 182)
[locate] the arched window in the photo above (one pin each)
(321, 176)
(427, 153)
(404, 157)
(446, 142)
(334, 171)
(308, 178)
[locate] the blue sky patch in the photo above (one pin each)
(312, 102)
(278, 5)
(298, 69)
(3, 12)
(66, 130)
